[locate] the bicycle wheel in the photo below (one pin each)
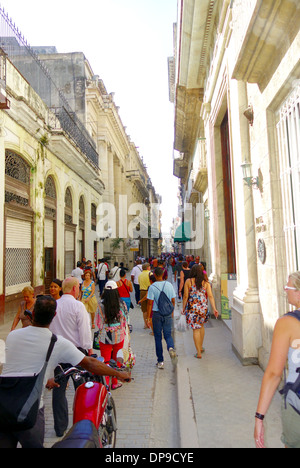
(108, 428)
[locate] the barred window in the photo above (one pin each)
(288, 132)
(16, 167)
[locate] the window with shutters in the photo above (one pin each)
(18, 224)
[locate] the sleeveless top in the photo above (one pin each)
(86, 290)
(294, 355)
(24, 319)
(111, 333)
(294, 364)
(124, 289)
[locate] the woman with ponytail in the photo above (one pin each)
(197, 291)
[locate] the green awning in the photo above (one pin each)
(183, 233)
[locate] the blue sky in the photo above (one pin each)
(127, 43)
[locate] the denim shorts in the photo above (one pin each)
(291, 426)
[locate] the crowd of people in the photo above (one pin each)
(102, 297)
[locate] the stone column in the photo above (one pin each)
(246, 315)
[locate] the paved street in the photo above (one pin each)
(216, 396)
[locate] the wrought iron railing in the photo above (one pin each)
(38, 76)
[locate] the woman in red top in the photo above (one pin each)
(125, 288)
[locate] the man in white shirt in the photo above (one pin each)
(115, 273)
(26, 350)
(72, 321)
(78, 272)
(135, 273)
(102, 275)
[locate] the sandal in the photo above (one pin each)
(198, 357)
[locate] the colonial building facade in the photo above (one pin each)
(65, 154)
(237, 121)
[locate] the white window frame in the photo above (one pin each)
(288, 133)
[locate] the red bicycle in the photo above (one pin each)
(94, 411)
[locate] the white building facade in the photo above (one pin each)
(237, 106)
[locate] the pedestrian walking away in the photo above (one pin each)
(197, 291)
(71, 321)
(115, 273)
(162, 325)
(144, 282)
(102, 275)
(125, 288)
(285, 346)
(26, 349)
(135, 273)
(78, 273)
(184, 275)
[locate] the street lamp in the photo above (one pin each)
(247, 175)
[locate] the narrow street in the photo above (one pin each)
(147, 407)
(200, 404)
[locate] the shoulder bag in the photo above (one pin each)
(20, 398)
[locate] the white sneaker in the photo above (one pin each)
(160, 365)
(173, 356)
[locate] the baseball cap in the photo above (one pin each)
(111, 285)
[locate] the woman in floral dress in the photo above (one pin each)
(197, 291)
(88, 296)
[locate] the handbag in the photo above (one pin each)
(182, 325)
(20, 398)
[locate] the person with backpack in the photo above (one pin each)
(285, 346)
(161, 301)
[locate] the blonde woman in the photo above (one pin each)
(88, 295)
(285, 345)
(27, 304)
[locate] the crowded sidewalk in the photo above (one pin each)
(216, 396)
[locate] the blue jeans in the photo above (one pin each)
(127, 301)
(162, 325)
